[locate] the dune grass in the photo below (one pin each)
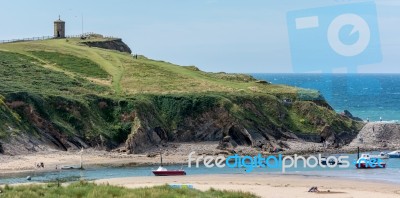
(90, 190)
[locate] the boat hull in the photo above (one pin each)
(169, 173)
(394, 154)
(71, 168)
(365, 166)
(330, 163)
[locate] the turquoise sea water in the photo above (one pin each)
(364, 95)
(389, 174)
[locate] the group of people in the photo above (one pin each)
(380, 119)
(39, 165)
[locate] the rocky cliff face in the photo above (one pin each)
(378, 135)
(263, 123)
(144, 122)
(114, 44)
(34, 124)
(212, 125)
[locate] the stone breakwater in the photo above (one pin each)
(376, 135)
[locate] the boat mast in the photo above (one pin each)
(81, 153)
(161, 157)
(80, 164)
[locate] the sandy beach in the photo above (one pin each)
(91, 158)
(172, 154)
(272, 186)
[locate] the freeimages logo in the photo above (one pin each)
(322, 39)
(272, 162)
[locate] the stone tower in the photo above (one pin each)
(59, 28)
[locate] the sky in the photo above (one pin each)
(215, 35)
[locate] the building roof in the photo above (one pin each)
(59, 20)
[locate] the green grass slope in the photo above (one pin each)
(126, 75)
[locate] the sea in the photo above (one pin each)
(367, 96)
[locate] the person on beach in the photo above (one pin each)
(380, 118)
(367, 119)
(39, 165)
(313, 189)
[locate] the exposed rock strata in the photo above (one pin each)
(114, 44)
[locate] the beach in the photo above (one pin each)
(260, 183)
(272, 186)
(173, 153)
(91, 158)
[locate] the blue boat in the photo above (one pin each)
(394, 154)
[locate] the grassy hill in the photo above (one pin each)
(65, 93)
(126, 75)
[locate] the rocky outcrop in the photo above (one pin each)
(144, 137)
(252, 127)
(25, 143)
(378, 135)
(36, 124)
(226, 144)
(114, 44)
(349, 115)
(211, 125)
(335, 139)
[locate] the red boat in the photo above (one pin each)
(161, 171)
(367, 162)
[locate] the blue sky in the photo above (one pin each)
(231, 36)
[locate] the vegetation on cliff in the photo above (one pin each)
(66, 94)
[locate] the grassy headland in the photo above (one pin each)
(67, 93)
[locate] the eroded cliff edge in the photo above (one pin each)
(137, 124)
(112, 44)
